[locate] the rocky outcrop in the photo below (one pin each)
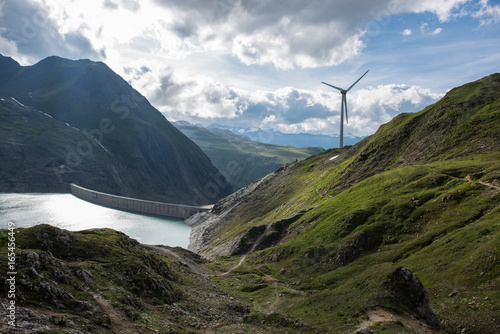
(26, 320)
(205, 226)
(406, 290)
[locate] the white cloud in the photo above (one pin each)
(406, 32)
(174, 39)
(200, 99)
(35, 32)
(487, 13)
(443, 9)
(424, 29)
(284, 33)
(436, 31)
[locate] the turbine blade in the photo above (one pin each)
(340, 89)
(348, 89)
(345, 102)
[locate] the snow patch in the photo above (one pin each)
(22, 105)
(105, 149)
(41, 112)
(77, 129)
(335, 156)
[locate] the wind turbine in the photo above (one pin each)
(343, 104)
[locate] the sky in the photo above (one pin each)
(259, 64)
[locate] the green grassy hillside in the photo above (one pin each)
(421, 193)
(240, 159)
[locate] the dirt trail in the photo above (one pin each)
(382, 315)
(197, 268)
(183, 260)
(119, 323)
(244, 257)
(468, 178)
(273, 305)
(489, 185)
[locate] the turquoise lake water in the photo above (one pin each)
(68, 212)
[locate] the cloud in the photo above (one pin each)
(487, 13)
(424, 29)
(291, 33)
(157, 45)
(202, 100)
(436, 31)
(286, 34)
(406, 32)
(28, 28)
(445, 10)
(188, 98)
(108, 4)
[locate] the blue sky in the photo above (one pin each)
(259, 64)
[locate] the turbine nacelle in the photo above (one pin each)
(343, 105)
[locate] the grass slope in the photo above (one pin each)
(421, 193)
(240, 159)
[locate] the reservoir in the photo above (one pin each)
(70, 213)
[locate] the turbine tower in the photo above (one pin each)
(343, 104)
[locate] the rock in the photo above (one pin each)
(27, 321)
(390, 240)
(407, 290)
(32, 257)
(85, 276)
(363, 330)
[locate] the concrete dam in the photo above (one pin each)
(137, 205)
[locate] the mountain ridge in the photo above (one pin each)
(240, 159)
(270, 136)
(148, 157)
(420, 193)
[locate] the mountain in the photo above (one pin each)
(101, 281)
(399, 233)
(240, 159)
(422, 194)
(67, 121)
(294, 139)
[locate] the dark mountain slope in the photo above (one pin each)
(35, 156)
(151, 159)
(422, 193)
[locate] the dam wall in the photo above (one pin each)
(136, 205)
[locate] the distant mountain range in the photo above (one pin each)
(240, 159)
(65, 121)
(293, 139)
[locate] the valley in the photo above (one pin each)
(396, 234)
